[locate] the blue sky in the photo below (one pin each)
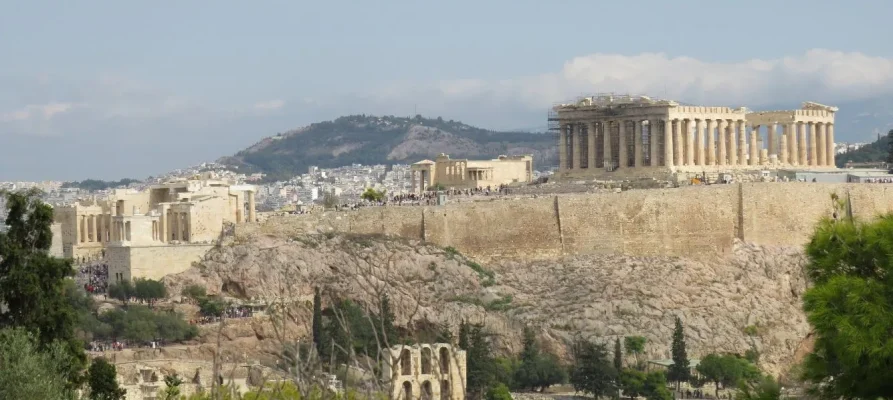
(130, 89)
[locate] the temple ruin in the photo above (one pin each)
(425, 372)
(471, 174)
(615, 135)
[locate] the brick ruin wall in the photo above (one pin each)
(691, 222)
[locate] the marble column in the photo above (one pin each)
(821, 147)
(637, 143)
(831, 150)
(754, 152)
(252, 209)
(793, 154)
(606, 136)
(653, 133)
(669, 153)
(575, 138)
(562, 147)
(742, 142)
(733, 143)
(700, 154)
(770, 136)
(801, 143)
(783, 157)
(689, 143)
(813, 159)
(723, 133)
(679, 143)
(622, 153)
(590, 153)
(711, 142)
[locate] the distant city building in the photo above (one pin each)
(469, 174)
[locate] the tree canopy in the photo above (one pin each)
(850, 307)
(729, 370)
(32, 282)
(102, 379)
(592, 371)
(26, 372)
(537, 370)
(680, 371)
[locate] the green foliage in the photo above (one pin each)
(292, 152)
(102, 379)
(488, 278)
(728, 370)
(618, 355)
(890, 146)
(680, 370)
(537, 371)
(764, 388)
(330, 200)
(480, 365)
(352, 330)
(141, 324)
(373, 195)
(463, 335)
(499, 392)
(95, 184)
(317, 327)
(26, 372)
(635, 345)
(148, 290)
(500, 304)
(651, 385)
(751, 330)
(194, 292)
(172, 387)
(592, 372)
(877, 151)
(212, 306)
(850, 307)
(32, 282)
(123, 291)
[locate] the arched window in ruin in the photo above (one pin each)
(405, 362)
(426, 360)
(407, 390)
(427, 392)
(445, 390)
(444, 361)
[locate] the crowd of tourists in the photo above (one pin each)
(233, 312)
(118, 345)
(94, 277)
(428, 198)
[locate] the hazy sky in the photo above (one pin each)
(134, 88)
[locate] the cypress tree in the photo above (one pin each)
(618, 356)
(463, 335)
(317, 320)
(388, 332)
(680, 370)
(890, 147)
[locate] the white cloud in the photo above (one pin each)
(31, 112)
(269, 105)
(819, 75)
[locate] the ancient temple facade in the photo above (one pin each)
(152, 232)
(628, 135)
(470, 174)
(425, 371)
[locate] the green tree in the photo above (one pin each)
(172, 387)
(480, 367)
(463, 335)
(388, 331)
(194, 292)
(680, 371)
(102, 379)
(499, 392)
(728, 370)
(122, 291)
(373, 195)
(655, 386)
(26, 372)
(635, 345)
(849, 306)
(148, 290)
(32, 282)
(618, 355)
(591, 372)
(537, 371)
(890, 147)
(632, 382)
(765, 388)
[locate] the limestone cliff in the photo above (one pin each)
(751, 299)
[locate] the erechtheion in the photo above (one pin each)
(470, 174)
(157, 231)
(427, 371)
(609, 134)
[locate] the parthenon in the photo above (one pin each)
(610, 134)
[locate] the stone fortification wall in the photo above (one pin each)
(152, 262)
(696, 221)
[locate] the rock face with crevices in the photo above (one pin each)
(750, 300)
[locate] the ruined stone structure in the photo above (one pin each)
(704, 222)
(469, 174)
(608, 135)
(425, 372)
(157, 231)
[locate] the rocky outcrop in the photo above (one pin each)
(750, 300)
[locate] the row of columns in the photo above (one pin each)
(694, 142)
(93, 228)
(177, 226)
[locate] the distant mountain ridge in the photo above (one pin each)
(367, 139)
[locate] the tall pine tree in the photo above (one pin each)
(388, 331)
(463, 335)
(618, 356)
(680, 371)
